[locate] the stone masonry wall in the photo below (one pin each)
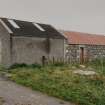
(95, 51)
(71, 54)
(91, 52)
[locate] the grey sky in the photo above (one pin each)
(78, 15)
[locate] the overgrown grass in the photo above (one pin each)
(98, 65)
(58, 80)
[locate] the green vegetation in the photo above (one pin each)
(98, 65)
(1, 101)
(59, 80)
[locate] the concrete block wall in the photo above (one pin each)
(5, 53)
(30, 50)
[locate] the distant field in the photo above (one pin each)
(60, 81)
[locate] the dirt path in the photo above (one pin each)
(14, 94)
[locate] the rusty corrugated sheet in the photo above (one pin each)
(84, 38)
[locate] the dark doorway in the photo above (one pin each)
(82, 55)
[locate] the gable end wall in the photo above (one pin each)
(5, 56)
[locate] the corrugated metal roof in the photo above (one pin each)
(28, 29)
(84, 38)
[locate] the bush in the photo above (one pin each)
(16, 65)
(59, 64)
(35, 66)
(25, 65)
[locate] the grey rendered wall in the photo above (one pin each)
(30, 50)
(57, 49)
(5, 56)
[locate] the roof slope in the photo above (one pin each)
(84, 38)
(28, 29)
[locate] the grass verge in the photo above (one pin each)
(61, 82)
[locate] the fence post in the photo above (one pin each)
(43, 60)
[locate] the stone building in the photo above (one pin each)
(82, 47)
(29, 42)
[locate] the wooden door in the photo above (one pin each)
(82, 55)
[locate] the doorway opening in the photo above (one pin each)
(82, 59)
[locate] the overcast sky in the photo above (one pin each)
(78, 15)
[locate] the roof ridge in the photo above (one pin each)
(85, 33)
